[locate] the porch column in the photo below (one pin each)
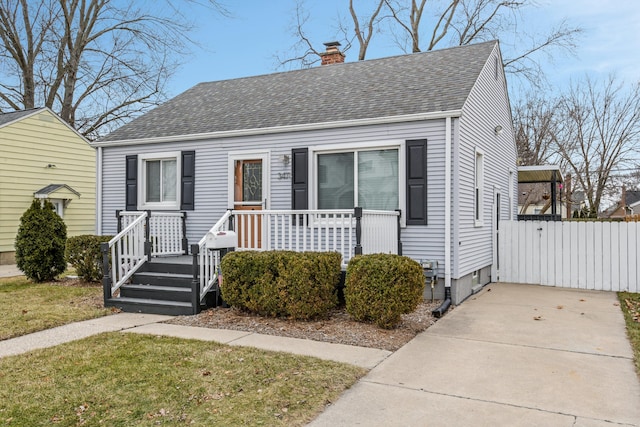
(147, 240)
(106, 271)
(357, 212)
(195, 282)
(553, 193)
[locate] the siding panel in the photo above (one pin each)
(27, 146)
(419, 242)
(486, 108)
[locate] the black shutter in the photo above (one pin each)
(300, 178)
(417, 182)
(187, 192)
(131, 183)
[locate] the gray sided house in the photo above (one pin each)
(427, 134)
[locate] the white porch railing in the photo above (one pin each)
(349, 232)
(209, 260)
(380, 232)
(166, 231)
(124, 254)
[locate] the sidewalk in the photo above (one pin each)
(150, 324)
(9, 270)
(513, 355)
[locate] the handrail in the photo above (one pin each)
(127, 255)
(209, 260)
(166, 230)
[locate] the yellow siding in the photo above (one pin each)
(26, 148)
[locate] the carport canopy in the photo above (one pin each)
(541, 173)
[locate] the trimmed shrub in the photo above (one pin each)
(297, 285)
(380, 288)
(83, 253)
(40, 242)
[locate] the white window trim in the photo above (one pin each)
(478, 196)
(142, 184)
(263, 155)
(399, 145)
(59, 205)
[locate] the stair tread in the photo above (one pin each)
(174, 275)
(146, 301)
(156, 287)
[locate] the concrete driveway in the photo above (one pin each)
(512, 355)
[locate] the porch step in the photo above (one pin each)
(156, 292)
(158, 265)
(150, 306)
(162, 279)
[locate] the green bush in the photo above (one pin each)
(297, 285)
(40, 242)
(83, 253)
(380, 288)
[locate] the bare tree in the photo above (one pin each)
(96, 63)
(364, 35)
(447, 23)
(535, 125)
(599, 131)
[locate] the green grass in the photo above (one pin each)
(119, 379)
(27, 307)
(630, 303)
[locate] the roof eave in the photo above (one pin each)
(282, 129)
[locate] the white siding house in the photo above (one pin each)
(402, 133)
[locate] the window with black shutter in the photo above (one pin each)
(417, 182)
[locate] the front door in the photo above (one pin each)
(248, 195)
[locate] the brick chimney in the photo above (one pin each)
(333, 54)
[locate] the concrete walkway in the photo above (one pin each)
(513, 355)
(9, 270)
(151, 324)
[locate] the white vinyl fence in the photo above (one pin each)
(571, 254)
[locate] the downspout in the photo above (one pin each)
(99, 191)
(438, 312)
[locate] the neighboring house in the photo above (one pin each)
(43, 157)
(629, 204)
(429, 134)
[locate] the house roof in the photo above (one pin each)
(6, 118)
(429, 82)
(633, 197)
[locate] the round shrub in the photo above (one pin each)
(83, 253)
(40, 242)
(281, 283)
(380, 288)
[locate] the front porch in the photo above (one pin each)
(151, 268)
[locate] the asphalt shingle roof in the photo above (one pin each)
(15, 115)
(401, 85)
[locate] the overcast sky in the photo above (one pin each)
(246, 44)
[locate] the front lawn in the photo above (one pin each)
(27, 307)
(123, 379)
(630, 303)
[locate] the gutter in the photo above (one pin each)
(284, 129)
(438, 312)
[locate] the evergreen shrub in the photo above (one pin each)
(296, 285)
(83, 253)
(40, 242)
(380, 288)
